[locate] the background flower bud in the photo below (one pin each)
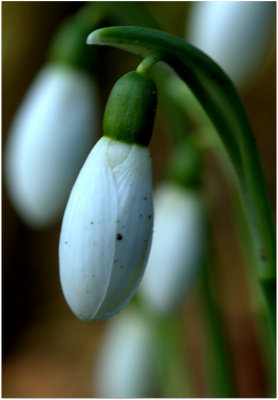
(52, 133)
(177, 248)
(125, 366)
(107, 229)
(236, 34)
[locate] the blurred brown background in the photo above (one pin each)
(47, 352)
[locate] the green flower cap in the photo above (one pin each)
(130, 110)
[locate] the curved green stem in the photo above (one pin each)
(219, 98)
(148, 62)
(257, 302)
(220, 365)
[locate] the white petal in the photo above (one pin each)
(177, 248)
(88, 235)
(125, 367)
(236, 34)
(104, 239)
(52, 134)
(135, 218)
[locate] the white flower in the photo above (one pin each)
(107, 228)
(52, 134)
(177, 248)
(126, 365)
(236, 34)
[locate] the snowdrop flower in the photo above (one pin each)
(177, 248)
(236, 34)
(126, 363)
(107, 226)
(53, 132)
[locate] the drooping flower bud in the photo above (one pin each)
(52, 133)
(126, 363)
(107, 226)
(177, 248)
(236, 34)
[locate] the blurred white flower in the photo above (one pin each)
(107, 229)
(52, 133)
(126, 364)
(177, 248)
(236, 34)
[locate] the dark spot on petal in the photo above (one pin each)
(145, 198)
(145, 241)
(118, 220)
(122, 266)
(150, 216)
(141, 215)
(91, 222)
(119, 236)
(66, 242)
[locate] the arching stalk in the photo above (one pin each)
(220, 100)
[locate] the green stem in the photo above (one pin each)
(175, 374)
(258, 306)
(148, 62)
(220, 100)
(220, 368)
